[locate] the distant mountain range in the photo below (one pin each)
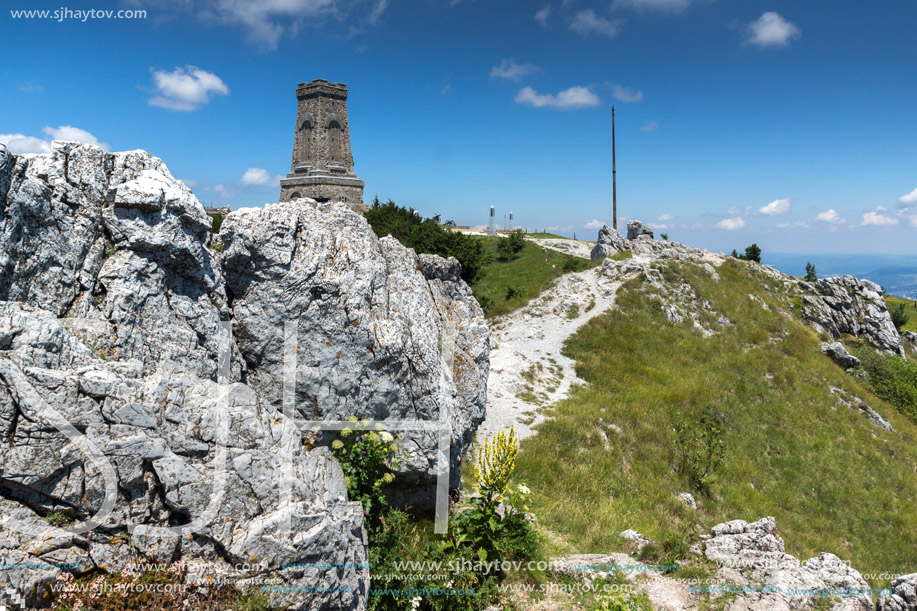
(896, 273)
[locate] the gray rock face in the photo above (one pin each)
(382, 332)
(839, 355)
(636, 229)
(609, 243)
(903, 596)
(113, 239)
(846, 304)
(753, 557)
(120, 403)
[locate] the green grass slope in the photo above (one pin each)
(834, 481)
(523, 277)
(910, 308)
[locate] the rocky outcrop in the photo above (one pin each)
(839, 355)
(903, 596)
(609, 243)
(379, 332)
(114, 243)
(845, 304)
(636, 229)
(752, 559)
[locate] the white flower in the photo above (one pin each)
(523, 489)
(387, 437)
(415, 602)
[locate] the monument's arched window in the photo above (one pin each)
(306, 138)
(295, 195)
(335, 137)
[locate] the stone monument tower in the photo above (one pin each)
(322, 166)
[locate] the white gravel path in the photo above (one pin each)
(570, 247)
(527, 370)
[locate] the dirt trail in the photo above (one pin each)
(527, 370)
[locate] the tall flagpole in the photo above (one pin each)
(614, 177)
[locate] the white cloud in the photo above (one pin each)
(731, 224)
(266, 21)
(876, 218)
(380, 7)
(587, 22)
(186, 88)
(594, 224)
(912, 219)
(650, 126)
(664, 218)
(225, 190)
(909, 198)
(568, 99)
(794, 225)
(776, 207)
(259, 177)
(558, 228)
(19, 144)
(543, 15)
(771, 30)
(676, 6)
(830, 216)
(661, 225)
(509, 69)
(625, 94)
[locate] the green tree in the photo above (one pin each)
(752, 253)
(510, 246)
(811, 276)
(899, 315)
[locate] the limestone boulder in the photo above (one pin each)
(636, 229)
(609, 243)
(839, 355)
(373, 329)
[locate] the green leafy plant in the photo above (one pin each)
(890, 377)
(701, 448)
(664, 236)
(57, 518)
(368, 458)
(512, 292)
(495, 526)
(752, 253)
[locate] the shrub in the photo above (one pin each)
(427, 236)
(811, 276)
(664, 236)
(512, 292)
(892, 378)
(701, 448)
(216, 223)
(573, 264)
(510, 246)
(367, 458)
(899, 315)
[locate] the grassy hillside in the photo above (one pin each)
(910, 307)
(834, 481)
(502, 286)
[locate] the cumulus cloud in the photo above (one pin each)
(830, 216)
(876, 218)
(568, 99)
(908, 199)
(186, 88)
(588, 23)
(259, 177)
(543, 15)
(731, 224)
(650, 126)
(771, 30)
(20, 144)
(509, 69)
(675, 6)
(776, 207)
(594, 224)
(559, 228)
(664, 218)
(794, 225)
(624, 94)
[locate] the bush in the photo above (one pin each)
(664, 236)
(510, 247)
(892, 378)
(811, 276)
(574, 264)
(899, 315)
(701, 448)
(427, 236)
(512, 292)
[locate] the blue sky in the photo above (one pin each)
(790, 124)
